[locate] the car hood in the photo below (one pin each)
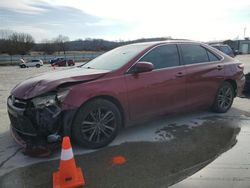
(46, 82)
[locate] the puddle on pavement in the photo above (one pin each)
(148, 164)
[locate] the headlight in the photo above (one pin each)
(61, 94)
(50, 99)
(46, 100)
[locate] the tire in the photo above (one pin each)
(22, 66)
(37, 66)
(224, 98)
(96, 123)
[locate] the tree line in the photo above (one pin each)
(13, 43)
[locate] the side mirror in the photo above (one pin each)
(143, 66)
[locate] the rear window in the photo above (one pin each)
(212, 57)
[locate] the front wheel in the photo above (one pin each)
(37, 66)
(224, 98)
(96, 123)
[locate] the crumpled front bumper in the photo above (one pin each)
(38, 127)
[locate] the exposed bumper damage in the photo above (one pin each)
(38, 128)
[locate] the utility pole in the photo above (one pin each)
(245, 32)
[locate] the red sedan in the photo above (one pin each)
(62, 62)
(123, 86)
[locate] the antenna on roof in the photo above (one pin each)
(245, 32)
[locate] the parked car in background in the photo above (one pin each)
(62, 62)
(247, 75)
(225, 49)
(32, 63)
(247, 85)
(128, 84)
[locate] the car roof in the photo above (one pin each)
(155, 43)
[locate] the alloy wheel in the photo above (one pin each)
(98, 125)
(225, 97)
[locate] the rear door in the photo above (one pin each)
(204, 74)
(161, 90)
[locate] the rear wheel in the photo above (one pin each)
(224, 98)
(96, 123)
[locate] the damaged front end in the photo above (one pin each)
(38, 123)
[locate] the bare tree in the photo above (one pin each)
(61, 42)
(4, 36)
(19, 43)
(48, 47)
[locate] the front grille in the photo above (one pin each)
(30, 121)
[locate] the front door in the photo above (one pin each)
(159, 91)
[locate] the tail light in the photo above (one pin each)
(241, 66)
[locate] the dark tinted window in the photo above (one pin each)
(212, 57)
(163, 56)
(226, 49)
(193, 53)
(35, 61)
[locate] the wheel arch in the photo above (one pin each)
(75, 132)
(234, 84)
(111, 99)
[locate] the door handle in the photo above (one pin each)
(179, 74)
(219, 67)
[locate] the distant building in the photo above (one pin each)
(239, 46)
(242, 46)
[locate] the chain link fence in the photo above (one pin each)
(77, 57)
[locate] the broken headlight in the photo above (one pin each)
(50, 99)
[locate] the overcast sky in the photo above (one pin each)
(129, 19)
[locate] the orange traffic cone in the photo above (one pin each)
(68, 175)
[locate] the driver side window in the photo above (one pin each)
(163, 56)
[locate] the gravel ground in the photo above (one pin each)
(246, 60)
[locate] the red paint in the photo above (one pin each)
(141, 95)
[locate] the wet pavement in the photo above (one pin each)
(181, 150)
(230, 170)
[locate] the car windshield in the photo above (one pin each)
(117, 57)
